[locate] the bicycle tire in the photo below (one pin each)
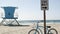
(33, 30)
(52, 29)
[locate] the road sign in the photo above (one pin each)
(44, 4)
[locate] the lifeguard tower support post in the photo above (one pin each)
(9, 14)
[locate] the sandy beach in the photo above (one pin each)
(24, 29)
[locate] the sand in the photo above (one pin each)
(24, 29)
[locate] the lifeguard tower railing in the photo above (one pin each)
(9, 14)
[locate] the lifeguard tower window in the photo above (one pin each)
(9, 14)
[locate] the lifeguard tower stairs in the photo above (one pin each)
(9, 14)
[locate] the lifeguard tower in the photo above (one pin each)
(9, 14)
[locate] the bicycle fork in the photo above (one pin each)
(36, 28)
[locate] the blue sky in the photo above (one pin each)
(31, 9)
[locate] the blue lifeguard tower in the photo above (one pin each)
(9, 14)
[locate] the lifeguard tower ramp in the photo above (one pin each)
(9, 14)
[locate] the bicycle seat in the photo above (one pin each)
(48, 26)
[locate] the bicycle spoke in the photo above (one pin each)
(52, 32)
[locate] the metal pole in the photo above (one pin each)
(2, 21)
(44, 22)
(17, 22)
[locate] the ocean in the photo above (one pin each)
(40, 21)
(28, 22)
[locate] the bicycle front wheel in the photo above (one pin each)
(33, 31)
(52, 31)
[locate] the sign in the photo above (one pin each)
(44, 4)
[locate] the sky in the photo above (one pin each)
(31, 9)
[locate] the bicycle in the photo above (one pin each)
(37, 30)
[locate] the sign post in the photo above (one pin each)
(44, 7)
(44, 22)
